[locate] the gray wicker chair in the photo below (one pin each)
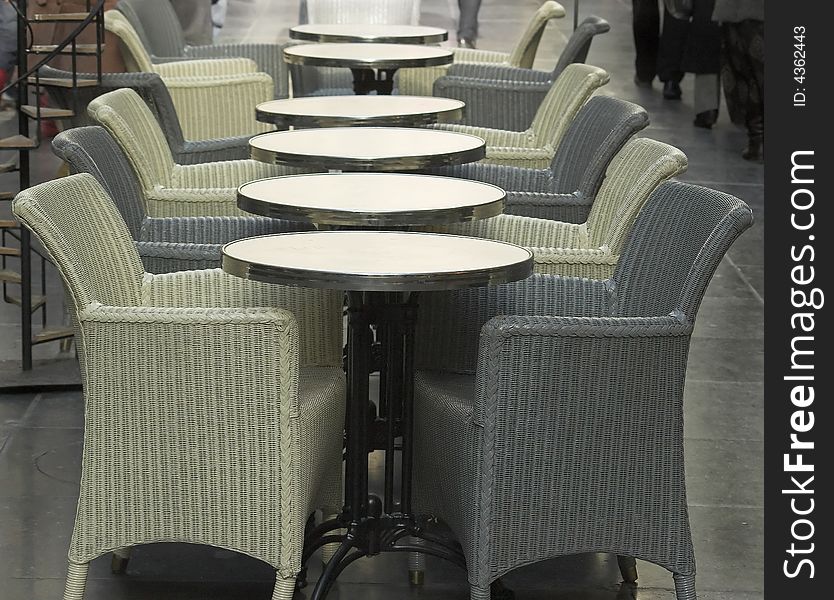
(160, 31)
(165, 244)
(155, 94)
(506, 97)
(549, 413)
(566, 190)
(213, 405)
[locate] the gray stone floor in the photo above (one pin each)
(40, 435)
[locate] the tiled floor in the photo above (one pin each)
(40, 435)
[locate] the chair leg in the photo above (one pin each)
(284, 588)
(479, 593)
(76, 581)
(628, 568)
(684, 587)
(119, 559)
(328, 550)
(416, 568)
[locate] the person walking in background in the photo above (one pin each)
(742, 68)
(657, 55)
(8, 43)
(468, 23)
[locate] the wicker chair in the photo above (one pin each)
(170, 189)
(214, 98)
(214, 406)
(159, 30)
(505, 97)
(590, 249)
(165, 244)
(155, 94)
(535, 147)
(566, 190)
(549, 413)
(418, 82)
(328, 81)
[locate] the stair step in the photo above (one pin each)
(18, 142)
(61, 82)
(9, 223)
(50, 335)
(59, 18)
(8, 167)
(47, 112)
(7, 251)
(37, 301)
(9, 276)
(85, 49)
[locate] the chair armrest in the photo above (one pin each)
(169, 257)
(227, 174)
(213, 107)
(495, 103)
(204, 151)
(521, 157)
(202, 68)
(318, 311)
(268, 57)
(499, 73)
(492, 137)
(628, 353)
(193, 202)
(213, 230)
(474, 55)
(569, 208)
(511, 179)
(450, 322)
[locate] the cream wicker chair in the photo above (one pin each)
(214, 98)
(170, 189)
(214, 406)
(590, 249)
(419, 82)
(536, 146)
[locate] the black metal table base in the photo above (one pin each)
(371, 524)
(366, 81)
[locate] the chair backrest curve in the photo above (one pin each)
(524, 52)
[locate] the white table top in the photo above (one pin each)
(367, 56)
(371, 199)
(376, 33)
(334, 111)
(367, 148)
(377, 260)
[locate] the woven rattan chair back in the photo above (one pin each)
(136, 56)
(524, 52)
(566, 96)
(601, 128)
(579, 43)
(132, 124)
(156, 24)
(633, 174)
(92, 150)
(383, 12)
(87, 238)
(674, 248)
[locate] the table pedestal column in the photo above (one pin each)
(366, 81)
(377, 525)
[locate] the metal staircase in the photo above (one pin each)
(17, 249)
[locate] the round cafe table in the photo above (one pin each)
(351, 111)
(371, 199)
(383, 273)
(368, 33)
(367, 148)
(373, 65)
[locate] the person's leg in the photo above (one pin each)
(752, 33)
(670, 55)
(707, 99)
(468, 22)
(646, 26)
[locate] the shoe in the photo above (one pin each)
(643, 83)
(672, 90)
(706, 119)
(466, 43)
(754, 152)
